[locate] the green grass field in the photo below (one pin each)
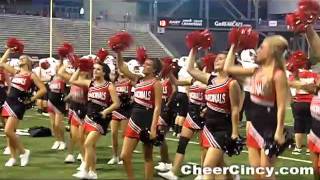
(48, 164)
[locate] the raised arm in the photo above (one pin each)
(42, 90)
(177, 82)
(124, 68)
(6, 55)
(8, 68)
(63, 73)
(75, 80)
(313, 40)
(115, 101)
(234, 95)
(281, 87)
(233, 69)
(194, 72)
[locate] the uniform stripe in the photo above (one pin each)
(255, 134)
(9, 110)
(94, 124)
(134, 126)
(191, 122)
(210, 138)
(118, 115)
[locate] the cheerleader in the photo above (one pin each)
(15, 104)
(56, 108)
(193, 123)
(120, 116)
(145, 113)
(268, 96)
(314, 135)
(166, 115)
(102, 100)
(222, 116)
(77, 111)
(45, 73)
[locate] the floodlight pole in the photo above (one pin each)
(90, 27)
(50, 28)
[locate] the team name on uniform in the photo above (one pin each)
(258, 89)
(197, 96)
(146, 95)
(97, 95)
(216, 98)
(122, 89)
(18, 80)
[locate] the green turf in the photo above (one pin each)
(48, 164)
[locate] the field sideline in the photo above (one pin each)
(48, 164)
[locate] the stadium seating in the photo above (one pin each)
(34, 32)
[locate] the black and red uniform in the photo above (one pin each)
(19, 92)
(99, 99)
(314, 135)
(301, 102)
(166, 115)
(3, 87)
(218, 124)
(263, 110)
(78, 105)
(123, 88)
(196, 104)
(56, 92)
(143, 107)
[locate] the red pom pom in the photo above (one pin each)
(248, 38)
(207, 39)
(208, 61)
(16, 44)
(310, 9)
(45, 65)
(243, 38)
(141, 55)
(102, 55)
(167, 64)
(297, 60)
(65, 49)
(86, 64)
(74, 60)
(198, 39)
(233, 36)
(295, 22)
(193, 39)
(120, 41)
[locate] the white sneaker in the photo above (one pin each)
(297, 151)
(199, 177)
(11, 162)
(6, 151)
(55, 145)
(79, 157)
(120, 162)
(24, 158)
(69, 159)
(168, 175)
(93, 175)
(113, 160)
(163, 166)
(62, 145)
(82, 166)
(81, 175)
(45, 114)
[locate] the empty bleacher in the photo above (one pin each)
(34, 32)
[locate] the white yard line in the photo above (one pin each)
(280, 157)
